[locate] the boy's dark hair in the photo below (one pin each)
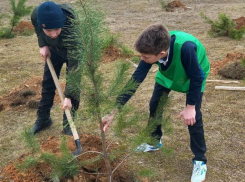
(153, 40)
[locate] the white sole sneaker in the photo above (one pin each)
(144, 147)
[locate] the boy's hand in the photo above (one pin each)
(66, 104)
(44, 51)
(107, 120)
(189, 114)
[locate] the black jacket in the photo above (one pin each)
(59, 45)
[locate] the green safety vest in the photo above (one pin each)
(175, 77)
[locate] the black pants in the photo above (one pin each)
(48, 86)
(197, 140)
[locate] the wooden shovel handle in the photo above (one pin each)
(67, 111)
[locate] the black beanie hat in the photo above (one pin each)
(50, 16)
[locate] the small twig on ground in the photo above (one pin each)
(121, 162)
(109, 145)
(85, 153)
(94, 173)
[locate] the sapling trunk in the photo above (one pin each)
(102, 133)
(90, 63)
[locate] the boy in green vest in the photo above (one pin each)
(183, 67)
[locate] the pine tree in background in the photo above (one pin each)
(224, 26)
(19, 10)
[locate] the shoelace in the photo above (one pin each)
(197, 169)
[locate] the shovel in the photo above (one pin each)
(67, 111)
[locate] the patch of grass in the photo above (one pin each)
(28, 32)
(163, 4)
(243, 62)
(5, 33)
(167, 151)
(147, 173)
(4, 15)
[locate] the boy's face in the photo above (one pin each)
(52, 33)
(151, 58)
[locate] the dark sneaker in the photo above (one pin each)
(40, 125)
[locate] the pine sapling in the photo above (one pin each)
(224, 26)
(19, 10)
(91, 36)
(98, 98)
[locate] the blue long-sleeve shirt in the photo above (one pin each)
(190, 64)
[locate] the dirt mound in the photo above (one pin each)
(42, 171)
(171, 6)
(240, 22)
(111, 54)
(23, 26)
(234, 70)
(27, 95)
(230, 57)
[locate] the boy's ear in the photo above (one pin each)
(164, 53)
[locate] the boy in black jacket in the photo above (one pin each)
(50, 21)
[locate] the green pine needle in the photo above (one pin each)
(30, 141)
